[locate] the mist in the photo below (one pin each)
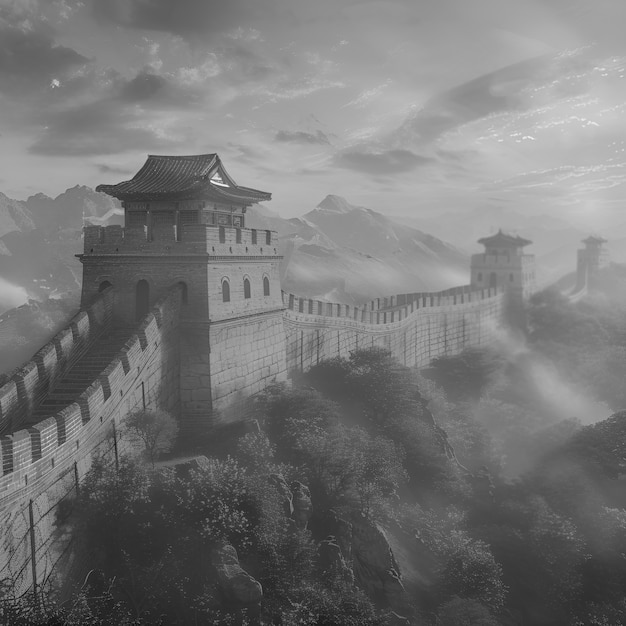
(11, 295)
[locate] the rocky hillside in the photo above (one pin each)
(353, 253)
(14, 216)
(40, 236)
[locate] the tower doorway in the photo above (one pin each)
(142, 299)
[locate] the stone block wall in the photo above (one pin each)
(246, 356)
(39, 463)
(428, 327)
(29, 384)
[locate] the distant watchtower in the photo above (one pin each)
(185, 224)
(591, 260)
(504, 264)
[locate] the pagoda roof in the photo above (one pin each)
(504, 239)
(594, 239)
(184, 177)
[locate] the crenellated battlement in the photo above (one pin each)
(29, 384)
(186, 239)
(388, 310)
(32, 451)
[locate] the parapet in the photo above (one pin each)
(28, 385)
(23, 451)
(389, 309)
(186, 239)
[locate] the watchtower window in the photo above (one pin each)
(183, 292)
(189, 217)
(254, 236)
(268, 237)
(266, 286)
(136, 218)
(225, 291)
(222, 234)
(163, 218)
(246, 288)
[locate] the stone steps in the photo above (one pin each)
(82, 373)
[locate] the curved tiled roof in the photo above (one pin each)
(181, 177)
(503, 239)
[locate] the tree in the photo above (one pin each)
(155, 430)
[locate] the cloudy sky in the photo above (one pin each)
(406, 106)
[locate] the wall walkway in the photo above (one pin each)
(415, 328)
(42, 463)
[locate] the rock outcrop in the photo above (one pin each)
(239, 590)
(278, 480)
(302, 505)
(331, 561)
(375, 567)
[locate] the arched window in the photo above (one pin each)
(222, 234)
(254, 236)
(183, 294)
(142, 299)
(225, 290)
(104, 285)
(246, 288)
(238, 235)
(268, 237)
(266, 286)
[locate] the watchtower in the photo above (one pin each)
(504, 264)
(185, 224)
(591, 260)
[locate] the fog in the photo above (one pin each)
(11, 296)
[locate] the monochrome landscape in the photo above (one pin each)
(312, 313)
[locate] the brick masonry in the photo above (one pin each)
(195, 352)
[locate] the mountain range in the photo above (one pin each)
(352, 253)
(336, 250)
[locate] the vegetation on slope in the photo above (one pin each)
(369, 494)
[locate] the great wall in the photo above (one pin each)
(190, 318)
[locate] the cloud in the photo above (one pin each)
(100, 128)
(154, 90)
(29, 58)
(367, 95)
(381, 163)
(103, 168)
(286, 136)
(187, 18)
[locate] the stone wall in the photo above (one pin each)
(41, 464)
(28, 385)
(246, 356)
(430, 326)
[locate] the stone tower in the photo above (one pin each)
(591, 260)
(185, 224)
(504, 264)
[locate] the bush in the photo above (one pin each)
(155, 431)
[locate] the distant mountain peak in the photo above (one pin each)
(336, 204)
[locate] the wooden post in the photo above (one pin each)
(33, 562)
(115, 451)
(76, 481)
